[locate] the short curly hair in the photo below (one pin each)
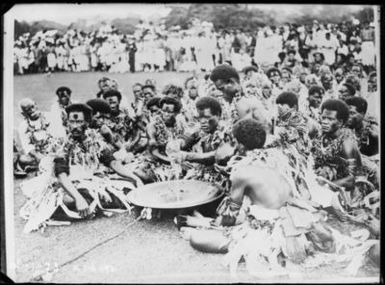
(209, 102)
(287, 69)
(155, 101)
(316, 89)
(171, 88)
(104, 79)
(112, 93)
(360, 103)
(171, 101)
(271, 70)
(337, 105)
(151, 86)
(224, 72)
(249, 133)
(351, 89)
(288, 98)
(63, 90)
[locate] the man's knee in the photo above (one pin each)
(145, 177)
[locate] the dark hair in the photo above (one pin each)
(339, 106)
(250, 68)
(271, 70)
(80, 107)
(316, 89)
(288, 98)
(211, 103)
(99, 105)
(224, 72)
(149, 86)
(153, 101)
(360, 103)
(350, 88)
(103, 79)
(288, 69)
(63, 90)
(112, 93)
(171, 88)
(291, 51)
(250, 133)
(321, 54)
(171, 101)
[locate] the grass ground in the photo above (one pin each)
(149, 251)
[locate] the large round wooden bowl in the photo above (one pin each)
(177, 194)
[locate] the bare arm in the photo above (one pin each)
(153, 145)
(207, 158)
(353, 157)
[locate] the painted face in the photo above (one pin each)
(355, 117)
(77, 124)
(31, 111)
(168, 113)
(207, 120)
(229, 87)
(114, 103)
(329, 122)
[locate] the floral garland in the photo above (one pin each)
(363, 133)
(86, 152)
(327, 152)
(32, 131)
(120, 125)
(163, 134)
(209, 142)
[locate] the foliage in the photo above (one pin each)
(240, 16)
(34, 27)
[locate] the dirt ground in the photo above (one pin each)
(150, 251)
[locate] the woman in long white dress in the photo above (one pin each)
(51, 57)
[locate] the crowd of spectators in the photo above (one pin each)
(153, 48)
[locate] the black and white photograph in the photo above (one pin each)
(192, 143)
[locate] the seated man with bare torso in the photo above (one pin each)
(267, 219)
(335, 152)
(260, 184)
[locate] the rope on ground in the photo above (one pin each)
(40, 276)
